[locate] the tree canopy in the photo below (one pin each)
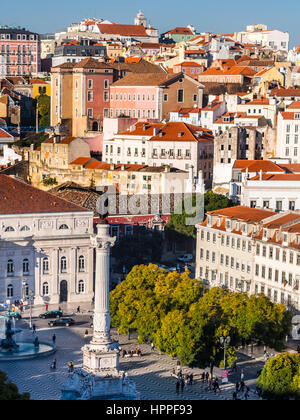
(185, 319)
(280, 378)
(177, 227)
(9, 391)
(43, 104)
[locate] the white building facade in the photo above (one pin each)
(45, 246)
(253, 251)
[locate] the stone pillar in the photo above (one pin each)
(102, 313)
(101, 356)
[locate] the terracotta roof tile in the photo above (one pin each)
(20, 198)
(246, 214)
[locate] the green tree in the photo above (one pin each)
(43, 105)
(49, 182)
(177, 228)
(280, 378)
(9, 391)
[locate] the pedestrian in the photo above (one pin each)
(207, 376)
(247, 393)
(124, 353)
(182, 384)
(78, 310)
(46, 307)
(152, 346)
(72, 367)
(234, 367)
(242, 386)
(53, 365)
(33, 328)
(54, 339)
(177, 387)
(242, 375)
(203, 377)
(173, 372)
(237, 387)
(191, 379)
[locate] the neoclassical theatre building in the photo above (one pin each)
(45, 246)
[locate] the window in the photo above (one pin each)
(10, 291)
(180, 96)
(10, 267)
(64, 227)
(106, 84)
(81, 286)
(81, 264)
(45, 289)
(90, 96)
(26, 266)
(45, 265)
(24, 229)
(9, 229)
(90, 84)
(63, 264)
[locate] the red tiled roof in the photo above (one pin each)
(277, 177)
(294, 105)
(180, 31)
(4, 134)
(20, 198)
(285, 92)
(66, 140)
(277, 223)
(144, 79)
(81, 161)
(179, 131)
(257, 166)
(246, 214)
(123, 30)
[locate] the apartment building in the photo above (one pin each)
(20, 52)
(80, 95)
(253, 251)
(288, 133)
(153, 96)
(175, 144)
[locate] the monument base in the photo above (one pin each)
(83, 385)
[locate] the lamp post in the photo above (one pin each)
(30, 304)
(225, 341)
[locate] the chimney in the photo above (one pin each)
(112, 166)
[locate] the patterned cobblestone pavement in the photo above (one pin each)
(152, 372)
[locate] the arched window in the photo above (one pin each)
(81, 286)
(81, 263)
(25, 229)
(25, 266)
(45, 265)
(26, 290)
(45, 289)
(63, 264)
(63, 227)
(10, 267)
(10, 291)
(9, 229)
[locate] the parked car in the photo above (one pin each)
(62, 322)
(51, 314)
(186, 258)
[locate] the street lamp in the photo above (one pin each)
(225, 341)
(30, 303)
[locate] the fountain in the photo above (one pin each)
(8, 344)
(11, 349)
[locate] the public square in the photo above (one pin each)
(151, 372)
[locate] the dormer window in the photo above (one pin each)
(297, 116)
(219, 222)
(265, 234)
(64, 227)
(228, 224)
(285, 238)
(209, 221)
(244, 227)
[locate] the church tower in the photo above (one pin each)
(140, 19)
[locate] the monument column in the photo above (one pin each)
(101, 356)
(102, 313)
